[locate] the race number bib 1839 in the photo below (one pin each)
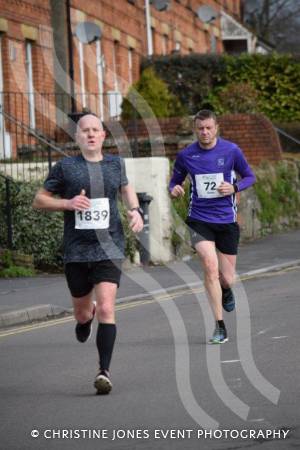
(94, 218)
(207, 185)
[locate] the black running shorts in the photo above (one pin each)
(225, 235)
(82, 276)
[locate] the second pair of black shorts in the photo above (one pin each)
(82, 276)
(225, 235)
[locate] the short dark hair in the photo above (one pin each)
(205, 114)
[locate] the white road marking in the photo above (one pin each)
(263, 331)
(230, 361)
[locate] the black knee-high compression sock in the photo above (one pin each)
(106, 336)
(221, 324)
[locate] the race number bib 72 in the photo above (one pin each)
(207, 185)
(94, 218)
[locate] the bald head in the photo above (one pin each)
(90, 136)
(88, 119)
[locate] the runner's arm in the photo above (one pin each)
(45, 200)
(131, 200)
(242, 167)
(129, 196)
(178, 177)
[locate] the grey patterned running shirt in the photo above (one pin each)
(67, 178)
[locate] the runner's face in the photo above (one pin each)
(206, 131)
(90, 134)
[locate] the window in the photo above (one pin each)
(2, 147)
(177, 46)
(130, 65)
(213, 43)
(30, 87)
(100, 65)
(165, 44)
(114, 65)
(115, 96)
(5, 140)
(153, 34)
(81, 71)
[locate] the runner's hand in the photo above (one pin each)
(226, 188)
(79, 202)
(177, 191)
(135, 221)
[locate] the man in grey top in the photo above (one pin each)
(88, 186)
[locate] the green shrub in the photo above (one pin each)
(150, 97)
(278, 191)
(235, 98)
(6, 259)
(16, 271)
(10, 270)
(180, 205)
(131, 243)
(36, 233)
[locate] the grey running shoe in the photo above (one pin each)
(84, 330)
(219, 336)
(102, 383)
(228, 300)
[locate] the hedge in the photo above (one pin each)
(199, 80)
(36, 233)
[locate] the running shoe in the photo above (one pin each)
(102, 383)
(84, 330)
(219, 336)
(228, 300)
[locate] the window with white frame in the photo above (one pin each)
(30, 86)
(100, 66)
(1, 104)
(130, 65)
(5, 140)
(82, 76)
(177, 46)
(115, 75)
(115, 96)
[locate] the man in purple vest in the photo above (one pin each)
(212, 165)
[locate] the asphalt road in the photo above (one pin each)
(168, 383)
(19, 293)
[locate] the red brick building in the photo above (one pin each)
(125, 41)
(42, 59)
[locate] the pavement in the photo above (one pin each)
(26, 300)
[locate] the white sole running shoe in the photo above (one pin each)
(219, 336)
(102, 383)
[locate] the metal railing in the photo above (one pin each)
(8, 209)
(31, 137)
(287, 135)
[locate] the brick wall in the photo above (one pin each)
(35, 15)
(124, 25)
(254, 133)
